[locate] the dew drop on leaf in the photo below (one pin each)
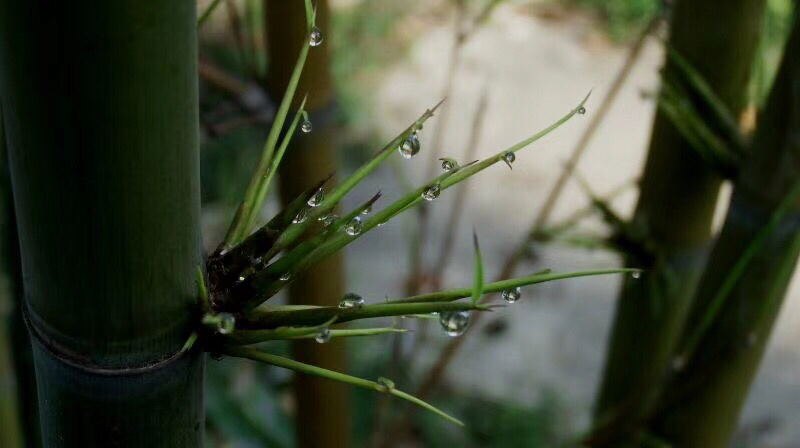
(316, 198)
(226, 323)
(306, 126)
(328, 219)
(286, 276)
(301, 216)
(454, 323)
(410, 147)
(432, 192)
(315, 38)
(323, 336)
(351, 300)
(581, 110)
(511, 295)
(509, 158)
(353, 227)
(636, 274)
(448, 165)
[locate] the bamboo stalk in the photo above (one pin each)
(758, 265)
(100, 102)
(675, 209)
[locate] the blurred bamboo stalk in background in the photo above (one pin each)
(321, 404)
(745, 281)
(678, 196)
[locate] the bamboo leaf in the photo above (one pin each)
(411, 199)
(286, 363)
(257, 189)
(273, 317)
(477, 288)
(207, 12)
(455, 294)
(336, 195)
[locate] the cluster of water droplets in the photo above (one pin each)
(351, 300)
(354, 227)
(454, 323)
(410, 146)
(511, 295)
(315, 37)
(432, 192)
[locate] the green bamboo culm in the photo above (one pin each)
(674, 214)
(745, 281)
(100, 112)
(11, 415)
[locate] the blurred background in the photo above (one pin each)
(528, 374)
(525, 376)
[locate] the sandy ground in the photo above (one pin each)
(557, 334)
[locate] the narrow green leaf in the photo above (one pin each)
(477, 288)
(455, 294)
(272, 317)
(207, 12)
(202, 291)
(256, 190)
(286, 363)
(412, 199)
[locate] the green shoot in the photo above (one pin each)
(286, 363)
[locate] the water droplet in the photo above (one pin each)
(432, 192)
(306, 126)
(511, 295)
(226, 323)
(509, 157)
(286, 276)
(351, 300)
(410, 147)
(241, 278)
(353, 227)
(316, 198)
(301, 216)
(380, 224)
(448, 165)
(315, 38)
(367, 210)
(323, 336)
(454, 323)
(636, 274)
(581, 110)
(328, 219)
(385, 383)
